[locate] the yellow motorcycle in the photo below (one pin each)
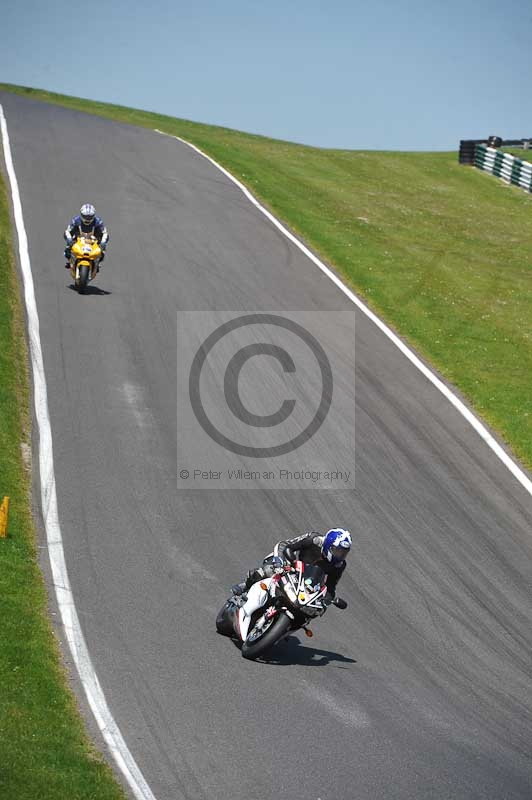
(84, 259)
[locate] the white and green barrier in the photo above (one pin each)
(504, 166)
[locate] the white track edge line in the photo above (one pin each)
(65, 598)
(475, 423)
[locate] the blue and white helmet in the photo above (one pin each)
(87, 213)
(336, 545)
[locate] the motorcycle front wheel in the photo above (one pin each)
(256, 647)
(84, 271)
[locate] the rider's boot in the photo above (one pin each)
(252, 577)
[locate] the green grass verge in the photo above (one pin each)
(45, 754)
(441, 251)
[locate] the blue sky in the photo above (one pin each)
(378, 75)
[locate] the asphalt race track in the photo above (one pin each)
(423, 686)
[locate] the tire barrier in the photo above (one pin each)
(504, 166)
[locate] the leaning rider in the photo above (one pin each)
(86, 222)
(327, 551)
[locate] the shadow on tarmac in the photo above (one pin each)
(90, 290)
(292, 651)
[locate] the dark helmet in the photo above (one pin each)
(87, 213)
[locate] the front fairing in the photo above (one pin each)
(257, 597)
(86, 248)
(300, 592)
(305, 588)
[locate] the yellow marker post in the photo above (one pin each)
(4, 511)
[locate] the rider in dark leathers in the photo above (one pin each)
(327, 551)
(85, 222)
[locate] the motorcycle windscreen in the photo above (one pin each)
(313, 578)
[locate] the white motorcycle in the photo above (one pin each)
(273, 607)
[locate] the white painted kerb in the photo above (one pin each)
(65, 599)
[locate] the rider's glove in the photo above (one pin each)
(272, 565)
(277, 565)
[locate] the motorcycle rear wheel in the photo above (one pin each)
(280, 628)
(84, 272)
(223, 621)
